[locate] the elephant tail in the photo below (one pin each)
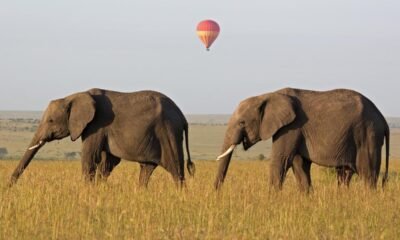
(387, 143)
(190, 165)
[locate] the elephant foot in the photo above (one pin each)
(181, 185)
(89, 178)
(276, 186)
(307, 190)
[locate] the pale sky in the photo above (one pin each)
(50, 49)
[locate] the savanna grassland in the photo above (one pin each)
(51, 201)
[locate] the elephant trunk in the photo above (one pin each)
(230, 142)
(223, 166)
(33, 148)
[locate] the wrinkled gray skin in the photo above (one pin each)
(339, 128)
(146, 127)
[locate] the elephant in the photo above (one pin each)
(144, 126)
(339, 128)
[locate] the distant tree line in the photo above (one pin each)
(208, 124)
(67, 155)
(19, 124)
(71, 155)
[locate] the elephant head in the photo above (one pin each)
(256, 118)
(63, 117)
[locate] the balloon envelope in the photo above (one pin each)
(207, 31)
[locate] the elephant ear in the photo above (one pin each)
(82, 110)
(277, 111)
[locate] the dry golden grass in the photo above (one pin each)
(52, 202)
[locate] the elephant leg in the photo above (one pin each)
(107, 164)
(340, 174)
(88, 170)
(344, 175)
(89, 166)
(348, 174)
(176, 169)
(91, 155)
(284, 150)
(278, 170)
(146, 169)
(172, 157)
(301, 168)
(368, 164)
(375, 165)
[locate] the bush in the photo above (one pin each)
(71, 155)
(261, 157)
(3, 152)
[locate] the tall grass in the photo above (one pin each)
(52, 202)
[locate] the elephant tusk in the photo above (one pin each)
(230, 149)
(36, 146)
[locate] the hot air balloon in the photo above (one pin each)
(207, 31)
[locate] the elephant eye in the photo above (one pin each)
(241, 123)
(51, 120)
